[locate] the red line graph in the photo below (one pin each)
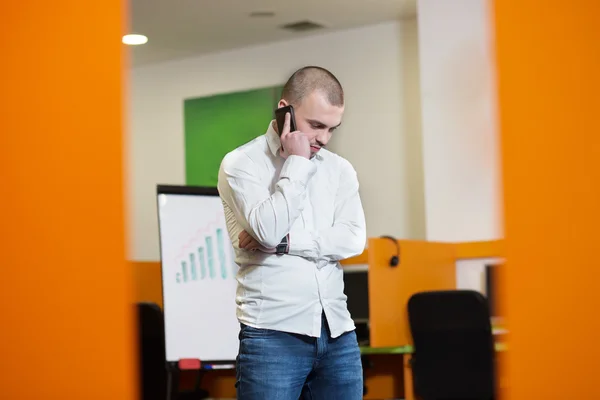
(209, 228)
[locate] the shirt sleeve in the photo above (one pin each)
(347, 235)
(264, 215)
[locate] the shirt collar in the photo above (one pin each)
(273, 139)
(275, 143)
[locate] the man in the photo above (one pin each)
(293, 211)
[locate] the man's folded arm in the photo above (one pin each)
(265, 216)
(347, 235)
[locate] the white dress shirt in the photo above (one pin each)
(317, 202)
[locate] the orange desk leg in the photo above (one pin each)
(409, 393)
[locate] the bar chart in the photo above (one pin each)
(198, 273)
(209, 257)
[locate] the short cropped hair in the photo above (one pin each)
(308, 79)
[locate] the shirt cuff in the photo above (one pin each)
(298, 168)
(302, 244)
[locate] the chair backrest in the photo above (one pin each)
(151, 352)
(454, 346)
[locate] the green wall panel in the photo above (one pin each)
(217, 124)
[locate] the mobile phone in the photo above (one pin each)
(280, 118)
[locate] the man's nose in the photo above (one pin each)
(323, 138)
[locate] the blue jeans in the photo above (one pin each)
(273, 365)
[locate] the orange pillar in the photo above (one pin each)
(548, 59)
(66, 327)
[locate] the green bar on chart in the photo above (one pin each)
(193, 267)
(221, 249)
(178, 277)
(210, 257)
(202, 263)
(184, 271)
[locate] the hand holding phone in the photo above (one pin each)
(280, 115)
(293, 142)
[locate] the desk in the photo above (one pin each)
(408, 349)
(365, 350)
(406, 352)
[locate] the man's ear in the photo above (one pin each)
(282, 103)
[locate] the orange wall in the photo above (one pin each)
(147, 281)
(62, 228)
(493, 248)
(548, 58)
(423, 266)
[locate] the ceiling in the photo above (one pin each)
(185, 28)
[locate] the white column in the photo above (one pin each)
(461, 164)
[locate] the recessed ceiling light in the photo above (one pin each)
(263, 14)
(134, 39)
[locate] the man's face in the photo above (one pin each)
(317, 119)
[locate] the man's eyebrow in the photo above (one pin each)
(316, 122)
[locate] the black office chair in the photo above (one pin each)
(454, 347)
(151, 352)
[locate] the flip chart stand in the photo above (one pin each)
(174, 370)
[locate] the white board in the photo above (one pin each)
(198, 275)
